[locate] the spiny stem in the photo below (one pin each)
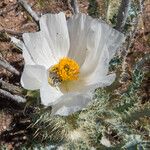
(75, 6)
(28, 8)
(122, 14)
(10, 87)
(16, 98)
(9, 67)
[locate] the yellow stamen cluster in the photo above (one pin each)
(67, 69)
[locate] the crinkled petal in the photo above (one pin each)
(70, 103)
(48, 93)
(54, 27)
(101, 69)
(72, 86)
(32, 76)
(78, 27)
(27, 57)
(95, 46)
(88, 86)
(101, 38)
(39, 49)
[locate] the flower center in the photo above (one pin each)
(66, 70)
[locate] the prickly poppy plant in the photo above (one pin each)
(68, 59)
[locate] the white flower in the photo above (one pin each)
(68, 60)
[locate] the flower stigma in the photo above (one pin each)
(66, 70)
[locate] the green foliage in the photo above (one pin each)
(132, 15)
(112, 11)
(114, 63)
(130, 97)
(41, 3)
(93, 9)
(3, 147)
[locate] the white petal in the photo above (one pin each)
(48, 93)
(78, 27)
(32, 76)
(98, 77)
(70, 103)
(114, 41)
(105, 38)
(39, 49)
(90, 86)
(55, 29)
(94, 48)
(27, 57)
(72, 86)
(101, 68)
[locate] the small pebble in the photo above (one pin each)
(11, 1)
(4, 127)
